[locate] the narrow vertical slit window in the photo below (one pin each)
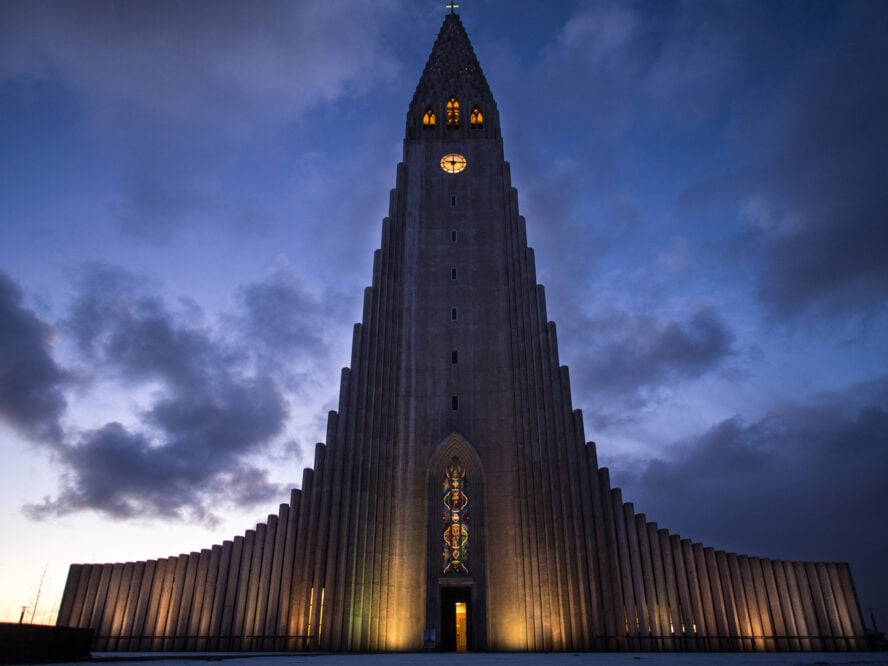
(453, 201)
(454, 357)
(452, 314)
(454, 403)
(452, 273)
(453, 236)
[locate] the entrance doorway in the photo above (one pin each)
(456, 619)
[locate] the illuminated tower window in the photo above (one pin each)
(428, 119)
(455, 517)
(452, 113)
(476, 119)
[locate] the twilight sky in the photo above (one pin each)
(191, 193)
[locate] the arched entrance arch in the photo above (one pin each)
(457, 560)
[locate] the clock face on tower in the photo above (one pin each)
(453, 163)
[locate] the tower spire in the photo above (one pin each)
(452, 72)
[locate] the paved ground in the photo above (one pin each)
(506, 659)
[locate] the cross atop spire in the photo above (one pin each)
(452, 6)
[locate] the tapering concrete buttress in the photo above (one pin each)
(455, 503)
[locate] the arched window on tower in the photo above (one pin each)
(476, 119)
(452, 113)
(428, 119)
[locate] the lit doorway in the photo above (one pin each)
(461, 627)
(456, 619)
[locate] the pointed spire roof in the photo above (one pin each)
(452, 71)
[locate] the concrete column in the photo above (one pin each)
(684, 580)
(823, 606)
(672, 608)
(799, 610)
(98, 611)
(233, 584)
(239, 614)
(838, 596)
(185, 597)
(713, 631)
(642, 619)
(606, 627)
(365, 623)
(815, 631)
(307, 538)
(203, 627)
(289, 566)
(273, 612)
(263, 584)
(628, 627)
(198, 586)
(63, 617)
(335, 506)
(111, 611)
(216, 631)
(851, 604)
(156, 605)
(665, 634)
(762, 611)
(738, 587)
(783, 641)
(615, 611)
(174, 577)
(527, 468)
(89, 599)
(655, 628)
(75, 615)
(127, 600)
(787, 608)
(727, 594)
(145, 582)
(301, 587)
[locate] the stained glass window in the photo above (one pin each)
(455, 519)
(428, 119)
(452, 112)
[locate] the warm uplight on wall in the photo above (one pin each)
(510, 631)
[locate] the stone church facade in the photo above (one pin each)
(456, 503)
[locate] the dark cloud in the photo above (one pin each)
(200, 62)
(774, 109)
(121, 326)
(804, 481)
(209, 411)
(292, 331)
(621, 360)
(283, 317)
(824, 190)
(31, 382)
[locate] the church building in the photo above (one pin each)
(456, 504)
